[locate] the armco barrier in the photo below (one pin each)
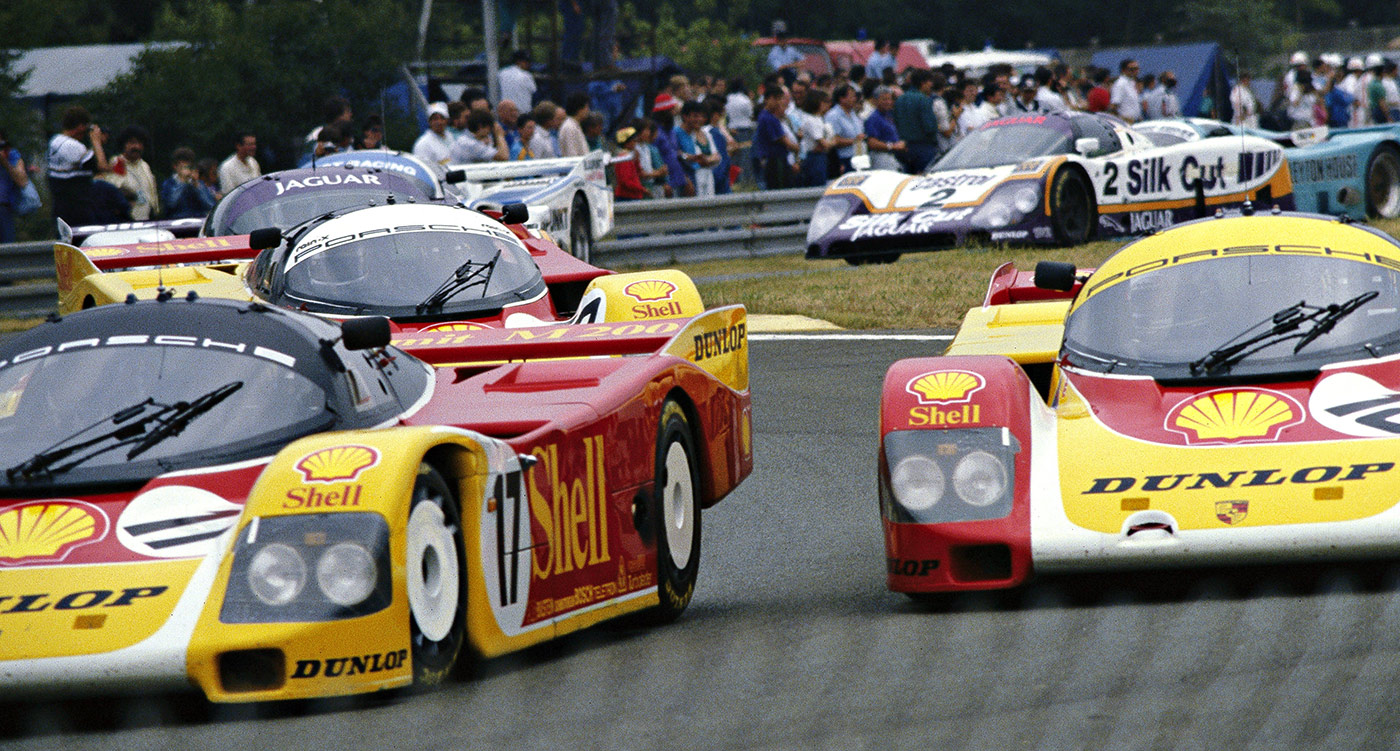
(682, 230)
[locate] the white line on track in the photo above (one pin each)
(852, 337)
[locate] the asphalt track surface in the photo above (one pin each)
(792, 641)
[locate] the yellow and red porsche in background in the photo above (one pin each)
(1224, 391)
(270, 505)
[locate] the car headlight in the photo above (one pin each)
(277, 574)
(825, 218)
(979, 478)
(276, 557)
(918, 482)
(346, 573)
(948, 475)
(1026, 199)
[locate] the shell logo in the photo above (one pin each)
(945, 386)
(650, 290)
(337, 464)
(453, 326)
(47, 531)
(1234, 415)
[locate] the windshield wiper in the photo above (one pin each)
(180, 416)
(47, 461)
(1284, 326)
(468, 275)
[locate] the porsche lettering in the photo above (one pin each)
(338, 667)
(162, 340)
(1244, 478)
(90, 598)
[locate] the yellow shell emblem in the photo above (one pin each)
(945, 386)
(337, 464)
(1235, 415)
(48, 530)
(650, 290)
(453, 326)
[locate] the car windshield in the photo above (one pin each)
(76, 416)
(1003, 144)
(1162, 321)
(286, 204)
(393, 273)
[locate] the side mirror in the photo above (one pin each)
(515, 213)
(262, 239)
(1086, 146)
(365, 333)
(1056, 275)
(455, 176)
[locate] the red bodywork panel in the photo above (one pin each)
(950, 556)
(1011, 285)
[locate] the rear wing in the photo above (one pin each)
(168, 252)
(716, 341)
(479, 177)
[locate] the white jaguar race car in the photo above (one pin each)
(1054, 178)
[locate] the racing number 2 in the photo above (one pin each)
(1110, 171)
(936, 200)
(508, 504)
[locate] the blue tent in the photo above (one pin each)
(1199, 68)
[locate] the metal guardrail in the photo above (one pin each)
(682, 230)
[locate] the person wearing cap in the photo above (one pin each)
(663, 111)
(625, 166)
(517, 82)
(1351, 86)
(1375, 89)
(1125, 99)
(434, 146)
(1244, 106)
(1025, 100)
(1297, 69)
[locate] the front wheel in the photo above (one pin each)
(435, 568)
(677, 488)
(1072, 213)
(580, 230)
(1383, 183)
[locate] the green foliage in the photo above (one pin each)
(700, 43)
(265, 67)
(1266, 34)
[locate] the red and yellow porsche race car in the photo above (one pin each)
(271, 505)
(1225, 391)
(432, 268)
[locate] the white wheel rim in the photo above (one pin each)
(678, 505)
(1387, 199)
(433, 578)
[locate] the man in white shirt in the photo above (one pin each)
(1050, 100)
(880, 60)
(241, 166)
(483, 141)
(1125, 100)
(517, 82)
(781, 55)
(993, 97)
(1243, 103)
(132, 175)
(435, 146)
(1171, 105)
(571, 138)
(1351, 84)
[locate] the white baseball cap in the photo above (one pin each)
(1299, 58)
(1355, 64)
(437, 108)
(1374, 60)
(1333, 59)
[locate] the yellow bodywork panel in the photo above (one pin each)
(82, 285)
(643, 296)
(1028, 332)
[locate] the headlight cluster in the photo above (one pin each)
(309, 567)
(1008, 206)
(829, 213)
(948, 475)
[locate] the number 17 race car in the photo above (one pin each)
(1058, 179)
(271, 505)
(1225, 391)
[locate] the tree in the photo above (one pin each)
(264, 67)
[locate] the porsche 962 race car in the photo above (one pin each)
(268, 505)
(1222, 392)
(1058, 178)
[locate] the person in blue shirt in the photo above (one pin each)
(773, 145)
(179, 193)
(664, 114)
(724, 142)
(886, 147)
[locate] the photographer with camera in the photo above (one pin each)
(180, 193)
(71, 166)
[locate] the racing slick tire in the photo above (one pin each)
(1072, 211)
(677, 517)
(1383, 182)
(436, 582)
(580, 230)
